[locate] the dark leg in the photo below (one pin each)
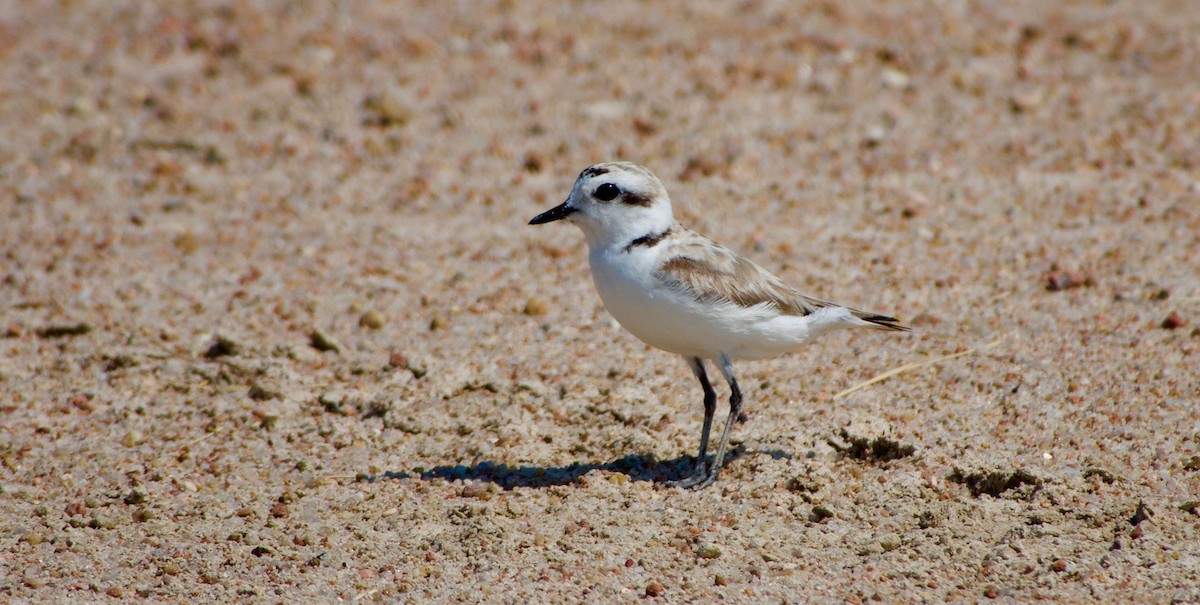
(735, 408)
(700, 472)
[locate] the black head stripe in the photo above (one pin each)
(593, 171)
(633, 198)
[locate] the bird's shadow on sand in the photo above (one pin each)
(639, 468)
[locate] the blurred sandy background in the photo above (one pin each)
(275, 330)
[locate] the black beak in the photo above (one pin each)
(556, 213)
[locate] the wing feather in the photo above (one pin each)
(712, 273)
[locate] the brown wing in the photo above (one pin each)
(712, 272)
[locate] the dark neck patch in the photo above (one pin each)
(649, 240)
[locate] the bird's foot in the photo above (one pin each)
(702, 476)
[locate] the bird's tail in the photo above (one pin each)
(881, 322)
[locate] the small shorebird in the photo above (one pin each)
(684, 293)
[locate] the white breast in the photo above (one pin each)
(674, 321)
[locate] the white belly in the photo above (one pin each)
(674, 321)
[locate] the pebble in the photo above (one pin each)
(223, 346)
(1057, 280)
(708, 551)
(372, 320)
(32, 582)
(395, 105)
(654, 589)
(536, 307)
(1173, 321)
(132, 438)
(475, 490)
(258, 392)
(398, 360)
(323, 343)
(894, 78)
(1024, 101)
(78, 329)
(187, 242)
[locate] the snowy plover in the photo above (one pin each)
(684, 293)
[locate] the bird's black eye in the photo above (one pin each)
(607, 192)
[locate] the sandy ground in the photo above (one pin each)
(275, 329)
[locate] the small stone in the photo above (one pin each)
(259, 392)
(874, 136)
(437, 323)
(395, 106)
(245, 511)
(169, 568)
(654, 589)
(536, 307)
(534, 162)
(279, 510)
(700, 165)
(222, 346)
(895, 78)
(1173, 321)
(323, 343)
(1024, 101)
(372, 320)
(35, 538)
(82, 402)
(78, 329)
(819, 513)
(103, 522)
(991, 592)
(644, 126)
(143, 515)
(132, 438)
(1057, 280)
(187, 242)
(889, 542)
(708, 551)
(1058, 565)
(720, 580)
(398, 360)
(135, 497)
(32, 582)
(475, 490)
